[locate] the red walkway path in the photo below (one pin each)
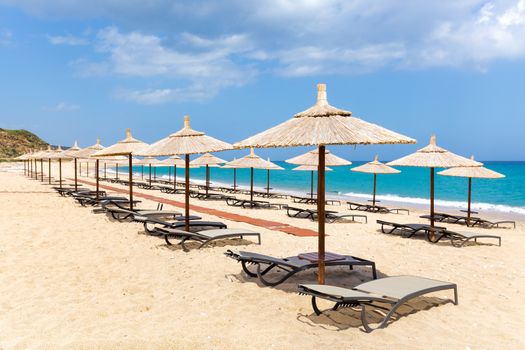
(271, 225)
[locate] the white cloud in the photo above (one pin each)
(67, 40)
(62, 107)
(198, 72)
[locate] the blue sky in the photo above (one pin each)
(81, 69)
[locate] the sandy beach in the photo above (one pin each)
(77, 280)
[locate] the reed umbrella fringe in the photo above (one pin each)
(186, 142)
(126, 147)
(471, 172)
(321, 125)
(207, 159)
(433, 156)
(375, 167)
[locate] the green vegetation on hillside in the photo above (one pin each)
(17, 142)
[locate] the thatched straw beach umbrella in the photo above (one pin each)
(375, 167)
(478, 172)
(126, 147)
(311, 169)
(86, 153)
(323, 125)
(150, 162)
(173, 161)
(186, 141)
(271, 166)
(228, 166)
(251, 161)
(70, 154)
(207, 159)
(433, 156)
(311, 158)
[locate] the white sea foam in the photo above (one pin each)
(444, 203)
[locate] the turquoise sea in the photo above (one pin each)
(410, 186)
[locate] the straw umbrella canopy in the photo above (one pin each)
(375, 167)
(173, 161)
(433, 156)
(251, 161)
(186, 141)
(470, 172)
(207, 159)
(321, 125)
(311, 169)
(311, 158)
(126, 147)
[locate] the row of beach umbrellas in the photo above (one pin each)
(320, 125)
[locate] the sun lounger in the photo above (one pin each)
(171, 190)
(290, 265)
(330, 216)
(209, 196)
(121, 214)
(459, 239)
(204, 237)
(375, 208)
(472, 221)
(405, 230)
(309, 200)
(395, 291)
(195, 225)
(246, 203)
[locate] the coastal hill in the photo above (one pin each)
(17, 142)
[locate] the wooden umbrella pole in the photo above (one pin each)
(41, 170)
(60, 172)
(96, 177)
(150, 174)
(469, 199)
(174, 177)
(432, 198)
(207, 178)
(142, 172)
(169, 174)
(49, 171)
(321, 212)
(76, 183)
(187, 192)
(251, 184)
(36, 169)
(374, 197)
(234, 179)
(105, 170)
(80, 169)
(30, 167)
(87, 169)
(268, 182)
(312, 185)
(130, 164)
(116, 175)
(155, 174)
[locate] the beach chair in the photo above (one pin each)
(204, 237)
(375, 208)
(393, 291)
(122, 214)
(246, 203)
(209, 196)
(152, 224)
(330, 216)
(458, 239)
(405, 230)
(472, 221)
(291, 265)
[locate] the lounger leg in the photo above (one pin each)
(456, 301)
(314, 306)
(374, 272)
